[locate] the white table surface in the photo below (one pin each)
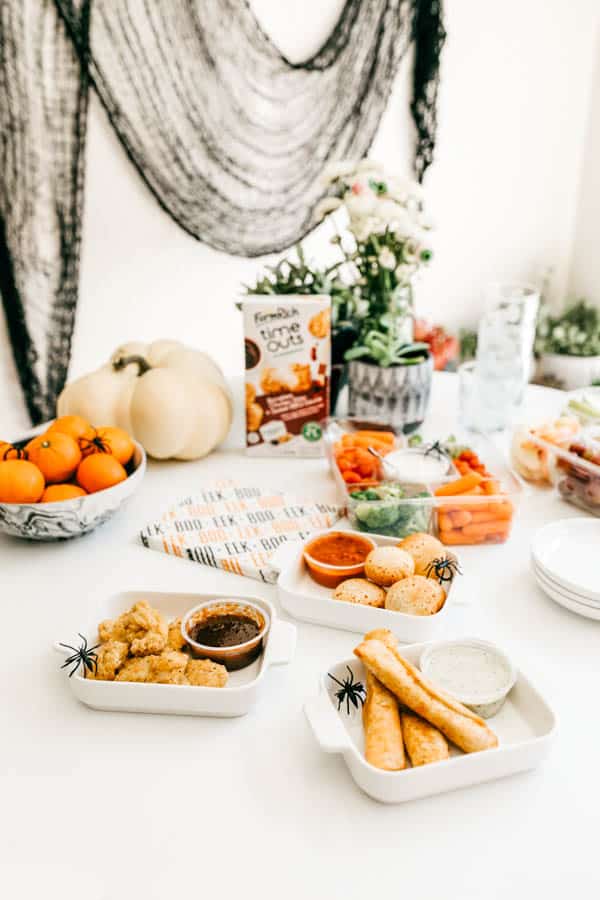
(113, 806)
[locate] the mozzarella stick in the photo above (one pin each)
(424, 742)
(383, 734)
(454, 720)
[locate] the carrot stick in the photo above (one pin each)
(460, 486)
(365, 442)
(386, 437)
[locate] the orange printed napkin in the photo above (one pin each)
(237, 527)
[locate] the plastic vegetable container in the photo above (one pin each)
(576, 471)
(403, 509)
(392, 510)
(465, 519)
(341, 430)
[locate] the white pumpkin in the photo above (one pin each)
(172, 399)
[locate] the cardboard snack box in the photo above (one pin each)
(287, 342)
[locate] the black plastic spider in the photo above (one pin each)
(350, 690)
(445, 568)
(81, 656)
(438, 449)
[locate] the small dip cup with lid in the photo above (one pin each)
(230, 632)
(476, 673)
(333, 556)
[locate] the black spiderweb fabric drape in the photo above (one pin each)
(228, 134)
(43, 107)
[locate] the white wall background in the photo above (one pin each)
(585, 259)
(513, 115)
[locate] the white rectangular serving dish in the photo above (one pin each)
(308, 601)
(236, 699)
(525, 726)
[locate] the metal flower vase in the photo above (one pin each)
(398, 395)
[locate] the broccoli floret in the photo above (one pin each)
(377, 516)
(391, 491)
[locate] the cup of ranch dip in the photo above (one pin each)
(411, 465)
(476, 673)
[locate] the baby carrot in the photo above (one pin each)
(482, 529)
(491, 486)
(445, 522)
(456, 537)
(460, 486)
(351, 477)
(461, 517)
(487, 516)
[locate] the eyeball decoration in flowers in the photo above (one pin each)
(171, 398)
(385, 246)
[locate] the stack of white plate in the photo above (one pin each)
(564, 558)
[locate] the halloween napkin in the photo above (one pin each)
(237, 527)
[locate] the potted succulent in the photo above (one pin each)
(568, 346)
(383, 247)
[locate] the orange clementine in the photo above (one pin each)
(20, 482)
(75, 426)
(99, 471)
(54, 493)
(55, 454)
(110, 439)
(7, 451)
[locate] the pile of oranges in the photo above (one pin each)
(71, 459)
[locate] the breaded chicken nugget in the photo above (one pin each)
(109, 657)
(112, 630)
(204, 672)
(145, 629)
(169, 667)
(175, 640)
(166, 668)
(136, 670)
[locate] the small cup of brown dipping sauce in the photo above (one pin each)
(230, 632)
(333, 556)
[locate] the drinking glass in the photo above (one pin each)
(492, 388)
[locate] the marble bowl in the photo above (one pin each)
(71, 518)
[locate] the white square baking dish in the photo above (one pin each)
(525, 727)
(308, 601)
(235, 699)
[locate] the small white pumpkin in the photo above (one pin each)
(172, 399)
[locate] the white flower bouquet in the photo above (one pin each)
(384, 244)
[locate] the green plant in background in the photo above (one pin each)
(467, 339)
(576, 332)
(295, 275)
